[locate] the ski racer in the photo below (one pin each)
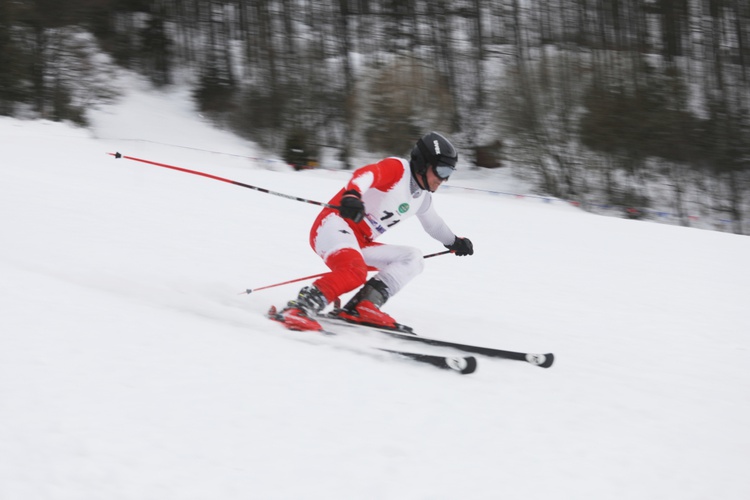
(376, 198)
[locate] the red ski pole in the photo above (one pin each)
(251, 290)
(223, 179)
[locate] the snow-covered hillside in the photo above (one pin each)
(132, 368)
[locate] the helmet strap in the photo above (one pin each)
(424, 179)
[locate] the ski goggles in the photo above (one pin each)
(443, 170)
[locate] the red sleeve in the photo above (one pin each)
(382, 176)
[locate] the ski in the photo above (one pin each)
(407, 334)
(458, 363)
(461, 364)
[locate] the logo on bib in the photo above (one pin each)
(403, 208)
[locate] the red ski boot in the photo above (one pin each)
(367, 313)
(294, 318)
(364, 307)
(298, 314)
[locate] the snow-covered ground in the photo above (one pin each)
(132, 368)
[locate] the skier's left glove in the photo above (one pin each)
(352, 206)
(461, 247)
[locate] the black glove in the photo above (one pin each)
(461, 247)
(352, 206)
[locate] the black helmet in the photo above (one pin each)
(433, 150)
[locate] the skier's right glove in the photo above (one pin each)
(352, 206)
(461, 247)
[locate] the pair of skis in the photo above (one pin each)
(463, 363)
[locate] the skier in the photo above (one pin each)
(376, 198)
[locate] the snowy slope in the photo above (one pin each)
(131, 368)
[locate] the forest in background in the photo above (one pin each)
(628, 102)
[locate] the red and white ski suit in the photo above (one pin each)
(390, 195)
